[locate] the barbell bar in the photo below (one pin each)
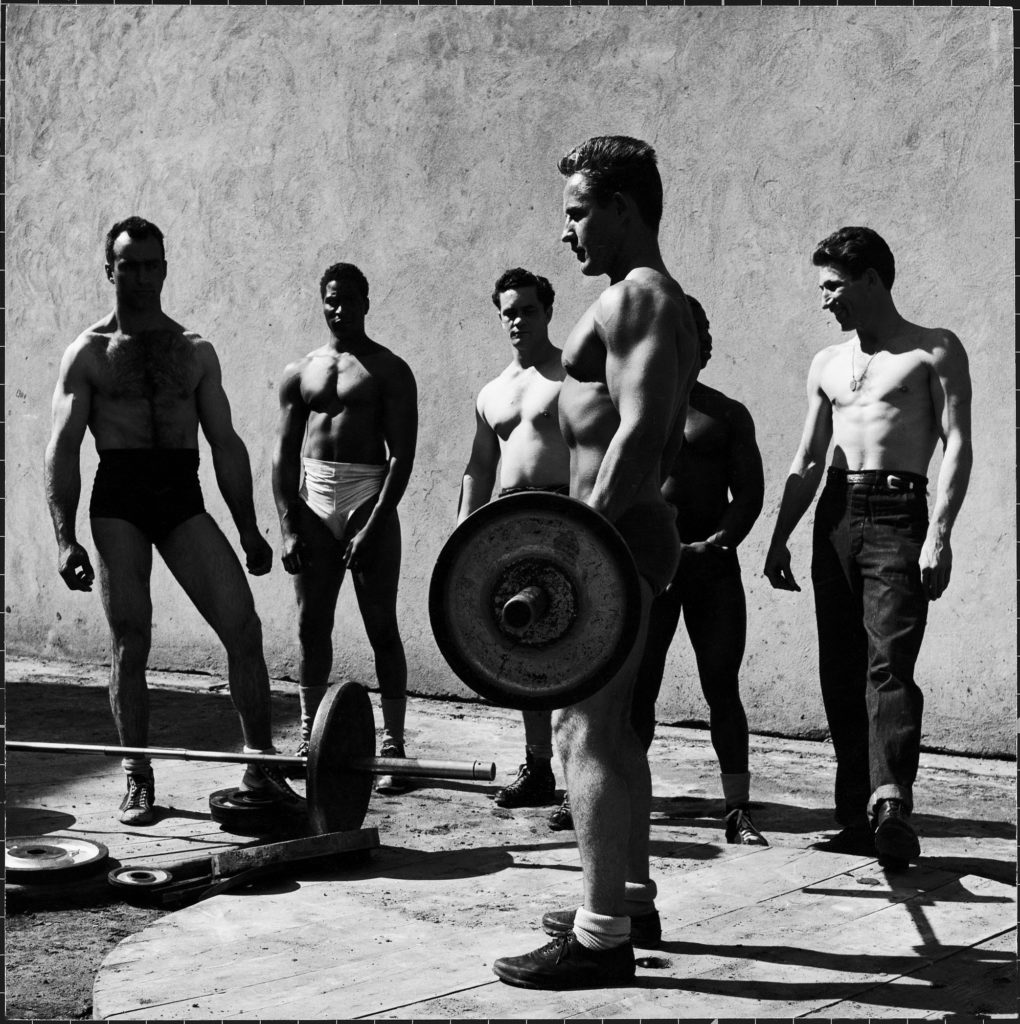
(420, 767)
(339, 767)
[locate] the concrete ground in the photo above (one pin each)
(792, 930)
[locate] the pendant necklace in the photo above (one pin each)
(855, 381)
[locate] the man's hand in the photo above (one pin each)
(704, 548)
(258, 553)
(936, 565)
(75, 568)
(360, 549)
(292, 553)
(777, 568)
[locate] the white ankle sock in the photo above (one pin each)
(137, 766)
(310, 698)
(640, 898)
(393, 712)
(600, 931)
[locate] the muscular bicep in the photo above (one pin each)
(746, 477)
(817, 433)
(484, 447)
(72, 399)
(290, 431)
(951, 387)
(400, 413)
(646, 370)
(211, 400)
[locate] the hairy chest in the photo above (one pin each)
(151, 365)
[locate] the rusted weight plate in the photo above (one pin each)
(42, 859)
(535, 601)
(344, 728)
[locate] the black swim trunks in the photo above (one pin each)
(650, 533)
(156, 489)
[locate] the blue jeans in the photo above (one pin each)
(871, 613)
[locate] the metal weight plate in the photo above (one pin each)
(129, 877)
(547, 654)
(51, 858)
(344, 728)
(247, 814)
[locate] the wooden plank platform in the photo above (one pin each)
(790, 930)
(775, 932)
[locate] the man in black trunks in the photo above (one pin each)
(630, 363)
(719, 459)
(143, 385)
(517, 429)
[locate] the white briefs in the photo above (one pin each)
(333, 490)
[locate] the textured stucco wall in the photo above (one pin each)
(421, 144)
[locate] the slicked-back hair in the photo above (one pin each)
(701, 325)
(618, 163)
(517, 278)
(136, 228)
(344, 272)
(853, 250)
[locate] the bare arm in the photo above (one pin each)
(72, 403)
(230, 460)
(290, 435)
(400, 429)
(802, 482)
(480, 472)
(645, 371)
(951, 397)
(746, 481)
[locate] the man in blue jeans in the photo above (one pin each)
(885, 397)
(717, 486)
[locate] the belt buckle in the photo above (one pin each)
(897, 483)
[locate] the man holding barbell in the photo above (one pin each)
(344, 451)
(144, 385)
(630, 363)
(517, 428)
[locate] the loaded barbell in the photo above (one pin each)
(535, 601)
(339, 768)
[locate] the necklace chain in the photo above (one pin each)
(855, 381)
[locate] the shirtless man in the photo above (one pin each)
(517, 428)
(885, 397)
(344, 452)
(717, 486)
(144, 385)
(630, 363)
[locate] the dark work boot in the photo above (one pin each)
(564, 963)
(534, 786)
(895, 839)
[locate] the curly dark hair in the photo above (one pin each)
(343, 272)
(853, 250)
(517, 278)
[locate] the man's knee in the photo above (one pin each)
(384, 636)
(244, 636)
(130, 643)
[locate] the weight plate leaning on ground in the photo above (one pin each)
(343, 729)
